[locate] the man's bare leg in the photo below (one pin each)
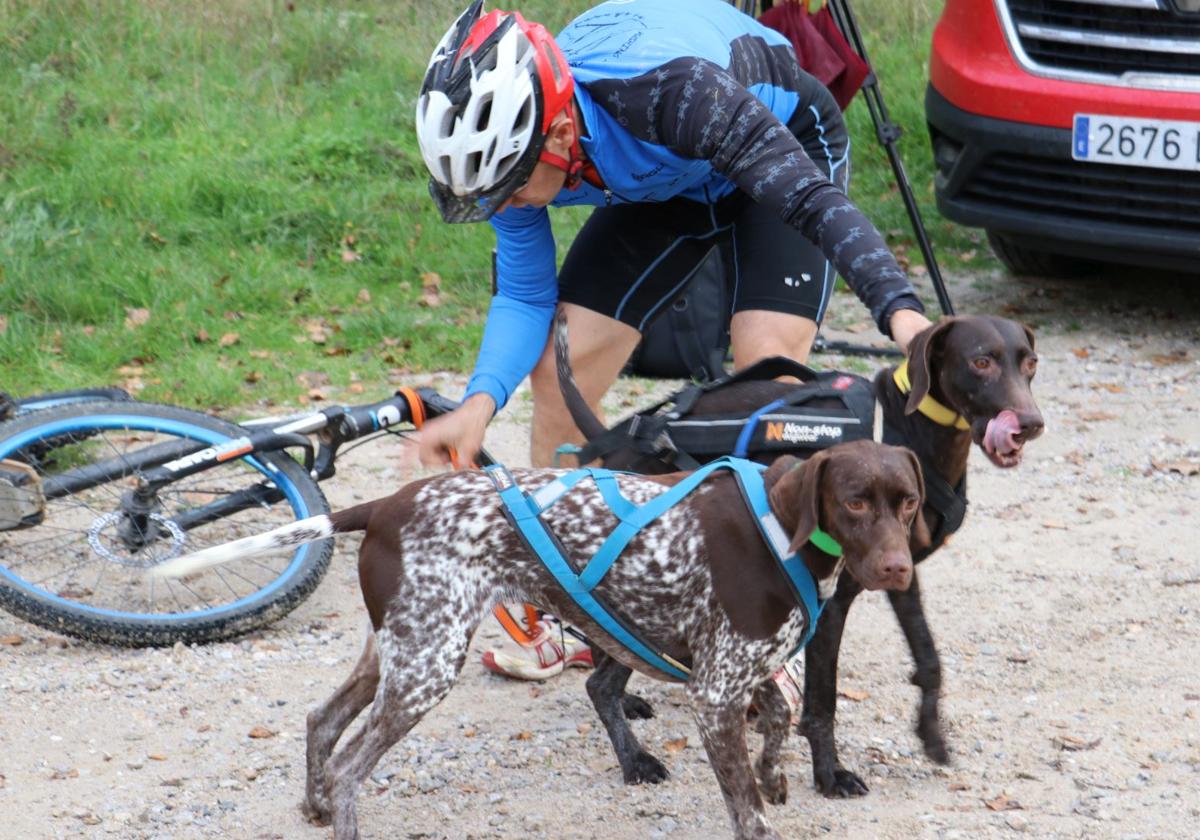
(757, 334)
(600, 347)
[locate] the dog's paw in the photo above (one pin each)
(935, 745)
(646, 769)
(636, 708)
(774, 787)
(315, 814)
(841, 784)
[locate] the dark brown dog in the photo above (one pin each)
(699, 583)
(980, 368)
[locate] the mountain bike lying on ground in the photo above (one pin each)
(96, 488)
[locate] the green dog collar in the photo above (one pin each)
(826, 543)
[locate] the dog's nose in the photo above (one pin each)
(896, 570)
(1031, 424)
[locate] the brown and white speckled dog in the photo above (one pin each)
(699, 583)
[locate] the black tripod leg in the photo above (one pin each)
(888, 132)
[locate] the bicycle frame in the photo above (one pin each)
(160, 465)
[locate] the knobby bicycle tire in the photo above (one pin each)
(74, 572)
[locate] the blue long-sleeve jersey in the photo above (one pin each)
(680, 98)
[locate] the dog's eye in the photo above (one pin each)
(856, 505)
(1031, 365)
(910, 505)
(981, 362)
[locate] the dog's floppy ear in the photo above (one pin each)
(796, 497)
(918, 535)
(920, 365)
(1029, 334)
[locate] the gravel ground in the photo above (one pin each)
(1067, 612)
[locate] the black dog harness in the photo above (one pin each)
(671, 432)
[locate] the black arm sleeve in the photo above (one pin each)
(700, 110)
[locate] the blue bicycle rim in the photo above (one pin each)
(157, 424)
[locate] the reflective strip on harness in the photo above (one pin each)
(524, 510)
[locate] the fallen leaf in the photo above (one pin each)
(350, 256)
(966, 256)
(356, 388)
(252, 377)
(75, 592)
(1003, 803)
(468, 733)
(229, 339)
(431, 289)
(1186, 467)
(524, 735)
(312, 379)
(135, 317)
(583, 728)
(1054, 523)
(676, 745)
(1074, 744)
(12, 641)
(3, 324)
(958, 786)
(1111, 387)
(156, 757)
(201, 336)
(337, 351)
(1175, 357)
(918, 270)
(857, 327)
(261, 731)
(364, 296)
(1097, 416)
(72, 773)
(317, 333)
(851, 694)
(1081, 352)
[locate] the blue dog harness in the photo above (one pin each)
(524, 510)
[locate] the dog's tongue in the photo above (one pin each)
(1002, 430)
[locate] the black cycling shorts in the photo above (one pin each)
(630, 261)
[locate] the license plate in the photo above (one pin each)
(1132, 141)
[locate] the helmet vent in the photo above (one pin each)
(485, 114)
(523, 118)
(474, 164)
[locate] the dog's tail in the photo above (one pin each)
(296, 533)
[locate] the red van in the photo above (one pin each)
(1070, 129)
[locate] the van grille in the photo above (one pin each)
(1156, 198)
(1109, 37)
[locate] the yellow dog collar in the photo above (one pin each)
(930, 407)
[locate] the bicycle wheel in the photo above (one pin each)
(78, 568)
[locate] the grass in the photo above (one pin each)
(222, 204)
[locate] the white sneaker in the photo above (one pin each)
(552, 651)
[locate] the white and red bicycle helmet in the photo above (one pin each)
(493, 86)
